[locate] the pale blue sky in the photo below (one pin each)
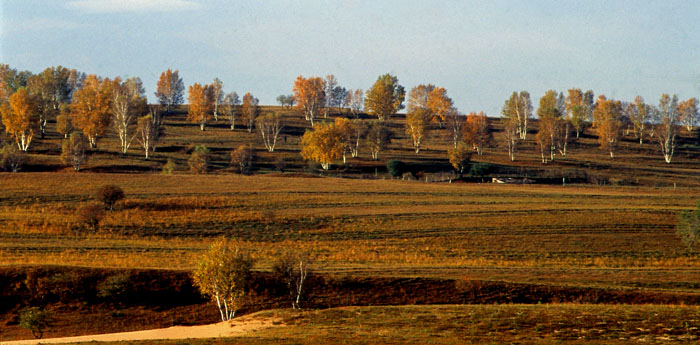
(480, 51)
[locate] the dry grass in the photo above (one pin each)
(476, 324)
(373, 227)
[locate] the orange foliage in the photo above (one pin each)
(200, 104)
(91, 107)
(309, 95)
(607, 115)
(477, 131)
(20, 117)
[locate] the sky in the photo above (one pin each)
(480, 51)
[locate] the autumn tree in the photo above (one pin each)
(223, 273)
(417, 122)
(666, 125)
(378, 137)
(518, 108)
(92, 107)
(217, 95)
(74, 151)
(607, 115)
(510, 136)
(310, 96)
(688, 113)
(358, 128)
(439, 104)
(199, 160)
(270, 125)
(330, 84)
(576, 110)
(20, 117)
(324, 144)
(52, 87)
(385, 97)
(249, 110)
(109, 195)
(293, 269)
(128, 103)
(418, 97)
(231, 104)
(639, 114)
(344, 129)
(459, 157)
(476, 132)
(589, 104)
(453, 123)
(200, 104)
(146, 133)
(550, 116)
(157, 131)
(170, 89)
(355, 101)
(243, 156)
(64, 125)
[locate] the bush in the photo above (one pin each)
(395, 167)
(11, 158)
(480, 170)
(114, 288)
(688, 228)
(109, 195)
(199, 160)
(91, 216)
(35, 320)
(243, 156)
(169, 167)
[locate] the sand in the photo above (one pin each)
(221, 329)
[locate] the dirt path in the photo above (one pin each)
(222, 329)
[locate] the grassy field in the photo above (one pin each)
(473, 324)
(580, 235)
(584, 241)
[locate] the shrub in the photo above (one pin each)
(114, 288)
(169, 167)
(199, 160)
(74, 151)
(35, 320)
(293, 270)
(480, 170)
(243, 156)
(395, 167)
(109, 195)
(11, 158)
(688, 228)
(91, 216)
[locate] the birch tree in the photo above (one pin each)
(128, 103)
(170, 89)
(575, 110)
(217, 95)
(330, 84)
(293, 269)
(146, 133)
(74, 151)
(223, 273)
(666, 125)
(607, 115)
(639, 114)
(92, 107)
(385, 97)
(477, 132)
(270, 125)
(324, 144)
(355, 101)
(453, 123)
(231, 104)
(249, 110)
(310, 96)
(518, 108)
(688, 113)
(510, 137)
(417, 126)
(200, 105)
(20, 117)
(378, 137)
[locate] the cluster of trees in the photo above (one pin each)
(561, 116)
(224, 274)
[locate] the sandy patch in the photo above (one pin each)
(221, 329)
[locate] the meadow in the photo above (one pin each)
(607, 235)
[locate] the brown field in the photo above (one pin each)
(554, 242)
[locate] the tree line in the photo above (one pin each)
(86, 107)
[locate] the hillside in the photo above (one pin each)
(634, 164)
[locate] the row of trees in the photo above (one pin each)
(561, 116)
